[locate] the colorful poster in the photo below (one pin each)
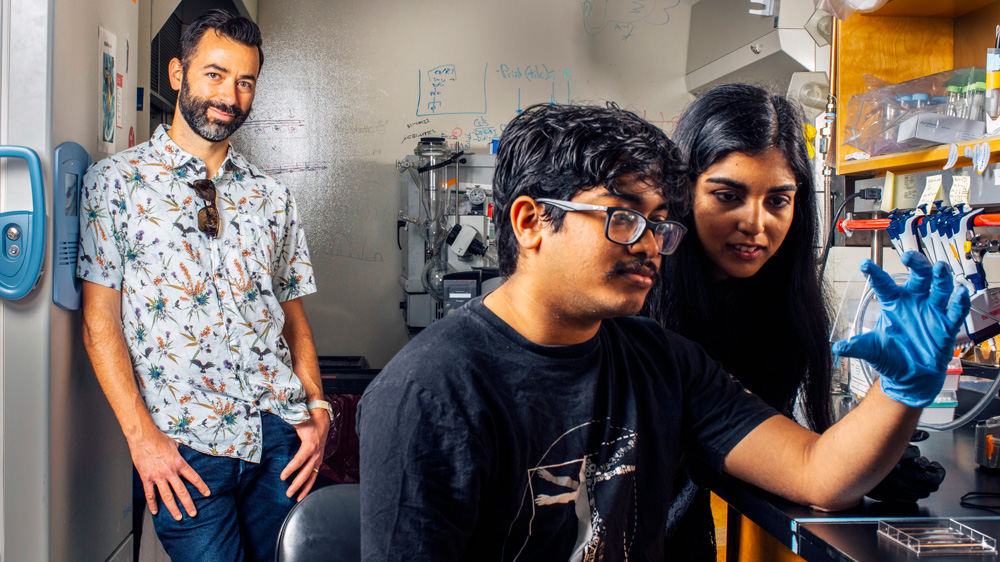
(106, 112)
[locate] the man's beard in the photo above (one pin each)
(195, 112)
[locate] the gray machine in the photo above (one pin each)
(445, 230)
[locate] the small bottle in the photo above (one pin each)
(977, 106)
(952, 110)
(962, 104)
(890, 116)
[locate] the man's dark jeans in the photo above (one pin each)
(240, 520)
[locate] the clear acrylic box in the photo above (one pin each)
(937, 537)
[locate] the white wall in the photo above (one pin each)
(347, 76)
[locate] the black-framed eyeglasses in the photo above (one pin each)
(626, 226)
(208, 216)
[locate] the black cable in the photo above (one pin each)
(833, 229)
(994, 505)
(869, 193)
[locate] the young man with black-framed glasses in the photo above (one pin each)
(194, 262)
(546, 422)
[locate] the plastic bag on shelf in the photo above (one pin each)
(935, 109)
(843, 9)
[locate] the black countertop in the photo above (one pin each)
(851, 534)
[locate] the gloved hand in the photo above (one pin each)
(914, 337)
(914, 477)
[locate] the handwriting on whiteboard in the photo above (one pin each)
(295, 168)
(442, 90)
(667, 124)
(451, 90)
(277, 128)
(624, 16)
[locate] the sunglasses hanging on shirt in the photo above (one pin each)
(208, 216)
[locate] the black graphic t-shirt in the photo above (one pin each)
(477, 444)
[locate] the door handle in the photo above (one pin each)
(22, 233)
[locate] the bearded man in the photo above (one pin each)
(194, 264)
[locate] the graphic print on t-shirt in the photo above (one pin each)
(580, 498)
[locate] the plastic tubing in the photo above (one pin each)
(844, 225)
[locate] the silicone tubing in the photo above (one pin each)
(844, 225)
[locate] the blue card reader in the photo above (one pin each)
(71, 163)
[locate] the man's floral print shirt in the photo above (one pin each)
(201, 316)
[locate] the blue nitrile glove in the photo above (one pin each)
(914, 337)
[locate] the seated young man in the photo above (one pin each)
(544, 421)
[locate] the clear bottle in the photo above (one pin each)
(962, 104)
(977, 106)
(952, 110)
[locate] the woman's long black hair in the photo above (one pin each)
(771, 330)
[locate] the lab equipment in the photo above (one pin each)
(903, 230)
(937, 537)
(926, 129)
(988, 443)
(890, 118)
(953, 101)
(462, 286)
(977, 103)
(446, 217)
(981, 324)
(992, 94)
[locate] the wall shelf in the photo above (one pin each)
(919, 160)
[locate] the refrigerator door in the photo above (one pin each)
(66, 488)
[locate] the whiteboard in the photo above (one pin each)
(349, 87)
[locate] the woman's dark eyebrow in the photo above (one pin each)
(742, 186)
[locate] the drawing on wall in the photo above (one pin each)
(295, 168)
(443, 91)
(277, 128)
(668, 125)
(106, 113)
(622, 16)
(440, 94)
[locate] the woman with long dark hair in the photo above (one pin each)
(744, 283)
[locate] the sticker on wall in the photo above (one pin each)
(106, 113)
(119, 93)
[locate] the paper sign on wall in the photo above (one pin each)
(959, 190)
(932, 191)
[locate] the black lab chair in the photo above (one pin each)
(326, 525)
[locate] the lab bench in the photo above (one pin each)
(851, 535)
